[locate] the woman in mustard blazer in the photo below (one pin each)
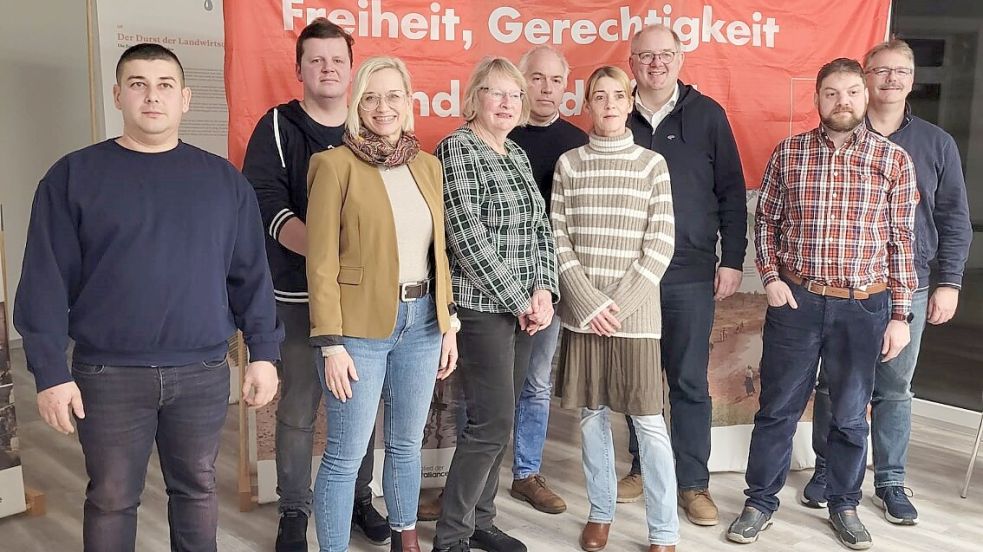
(382, 313)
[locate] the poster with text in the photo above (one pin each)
(11, 475)
(757, 58)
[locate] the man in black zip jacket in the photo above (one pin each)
(276, 164)
(692, 132)
(148, 253)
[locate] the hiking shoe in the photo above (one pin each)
(748, 525)
(699, 507)
(897, 508)
(630, 488)
(850, 530)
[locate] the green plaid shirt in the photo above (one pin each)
(499, 239)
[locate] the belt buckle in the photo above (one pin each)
(403, 288)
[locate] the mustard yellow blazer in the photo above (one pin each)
(352, 260)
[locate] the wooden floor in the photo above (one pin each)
(938, 457)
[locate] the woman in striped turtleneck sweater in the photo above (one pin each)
(613, 223)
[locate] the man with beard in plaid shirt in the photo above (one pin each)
(833, 231)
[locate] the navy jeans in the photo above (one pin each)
(127, 410)
(847, 334)
(687, 319)
(890, 406)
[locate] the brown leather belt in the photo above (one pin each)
(830, 291)
(411, 291)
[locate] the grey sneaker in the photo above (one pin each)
(897, 508)
(850, 530)
(746, 527)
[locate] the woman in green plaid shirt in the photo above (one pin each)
(503, 270)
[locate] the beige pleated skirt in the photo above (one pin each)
(624, 374)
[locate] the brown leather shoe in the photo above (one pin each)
(404, 541)
(699, 506)
(429, 510)
(594, 537)
(534, 490)
(662, 548)
(630, 488)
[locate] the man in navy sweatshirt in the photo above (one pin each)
(691, 131)
(943, 233)
(276, 165)
(148, 253)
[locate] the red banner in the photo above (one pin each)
(758, 58)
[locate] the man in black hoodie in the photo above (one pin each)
(692, 132)
(276, 164)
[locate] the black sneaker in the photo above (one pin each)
(897, 508)
(291, 536)
(850, 530)
(459, 546)
(748, 525)
(814, 493)
(494, 539)
(370, 521)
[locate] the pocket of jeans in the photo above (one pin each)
(212, 364)
(874, 305)
(85, 369)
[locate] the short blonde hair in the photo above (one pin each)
(486, 68)
(893, 45)
(368, 68)
(611, 72)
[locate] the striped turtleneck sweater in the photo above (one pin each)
(613, 225)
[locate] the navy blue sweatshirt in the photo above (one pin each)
(276, 161)
(708, 193)
(144, 259)
(543, 146)
(943, 231)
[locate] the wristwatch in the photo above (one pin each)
(906, 318)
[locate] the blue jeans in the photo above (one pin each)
(127, 410)
(847, 334)
(890, 419)
(402, 371)
(532, 413)
(658, 483)
(687, 319)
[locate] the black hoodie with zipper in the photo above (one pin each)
(707, 181)
(276, 163)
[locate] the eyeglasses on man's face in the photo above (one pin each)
(646, 58)
(500, 95)
(884, 72)
(394, 99)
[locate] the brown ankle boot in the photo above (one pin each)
(429, 510)
(662, 548)
(594, 536)
(404, 541)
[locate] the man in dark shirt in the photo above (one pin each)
(148, 253)
(544, 140)
(691, 131)
(276, 164)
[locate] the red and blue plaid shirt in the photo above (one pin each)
(841, 217)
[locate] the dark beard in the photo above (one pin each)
(845, 126)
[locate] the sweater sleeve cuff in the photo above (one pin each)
(267, 350)
(47, 361)
(951, 280)
(43, 379)
(732, 259)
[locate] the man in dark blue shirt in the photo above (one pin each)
(148, 253)
(943, 233)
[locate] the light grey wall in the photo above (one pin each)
(44, 90)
